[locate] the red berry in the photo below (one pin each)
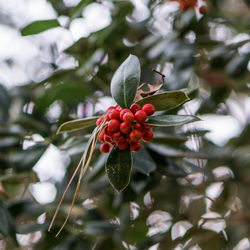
(123, 112)
(148, 108)
(202, 10)
(110, 108)
(147, 135)
(191, 3)
(108, 132)
(118, 108)
(108, 139)
(118, 137)
(122, 145)
(114, 125)
(183, 5)
(135, 146)
(134, 108)
(114, 114)
(135, 135)
(105, 148)
(128, 117)
(101, 136)
(140, 116)
(139, 127)
(147, 126)
(125, 127)
(98, 121)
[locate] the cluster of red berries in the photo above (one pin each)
(186, 4)
(125, 127)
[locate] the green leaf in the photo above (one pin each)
(77, 124)
(39, 26)
(171, 120)
(166, 100)
(69, 93)
(125, 81)
(143, 162)
(76, 11)
(118, 168)
(6, 222)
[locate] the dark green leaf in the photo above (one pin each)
(125, 81)
(171, 169)
(100, 228)
(77, 124)
(32, 228)
(25, 207)
(118, 168)
(6, 223)
(76, 11)
(68, 93)
(171, 120)
(25, 160)
(4, 104)
(143, 162)
(165, 101)
(168, 138)
(39, 26)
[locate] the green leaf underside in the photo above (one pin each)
(171, 120)
(125, 81)
(118, 168)
(77, 124)
(166, 100)
(39, 26)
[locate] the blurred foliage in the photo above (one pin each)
(180, 196)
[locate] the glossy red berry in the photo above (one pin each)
(135, 146)
(101, 136)
(147, 126)
(147, 135)
(135, 135)
(118, 108)
(202, 10)
(191, 3)
(139, 127)
(135, 107)
(105, 148)
(122, 145)
(183, 5)
(149, 109)
(140, 116)
(108, 139)
(98, 121)
(125, 127)
(114, 114)
(113, 125)
(110, 108)
(123, 112)
(128, 117)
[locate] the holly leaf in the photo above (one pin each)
(125, 81)
(166, 100)
(77, 124)
(171, 120)
(118, 168)
(143, 162)
(39, 26)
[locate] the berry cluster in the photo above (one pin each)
(125, 127)
(186, 4)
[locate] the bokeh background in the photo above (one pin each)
(189, 187)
